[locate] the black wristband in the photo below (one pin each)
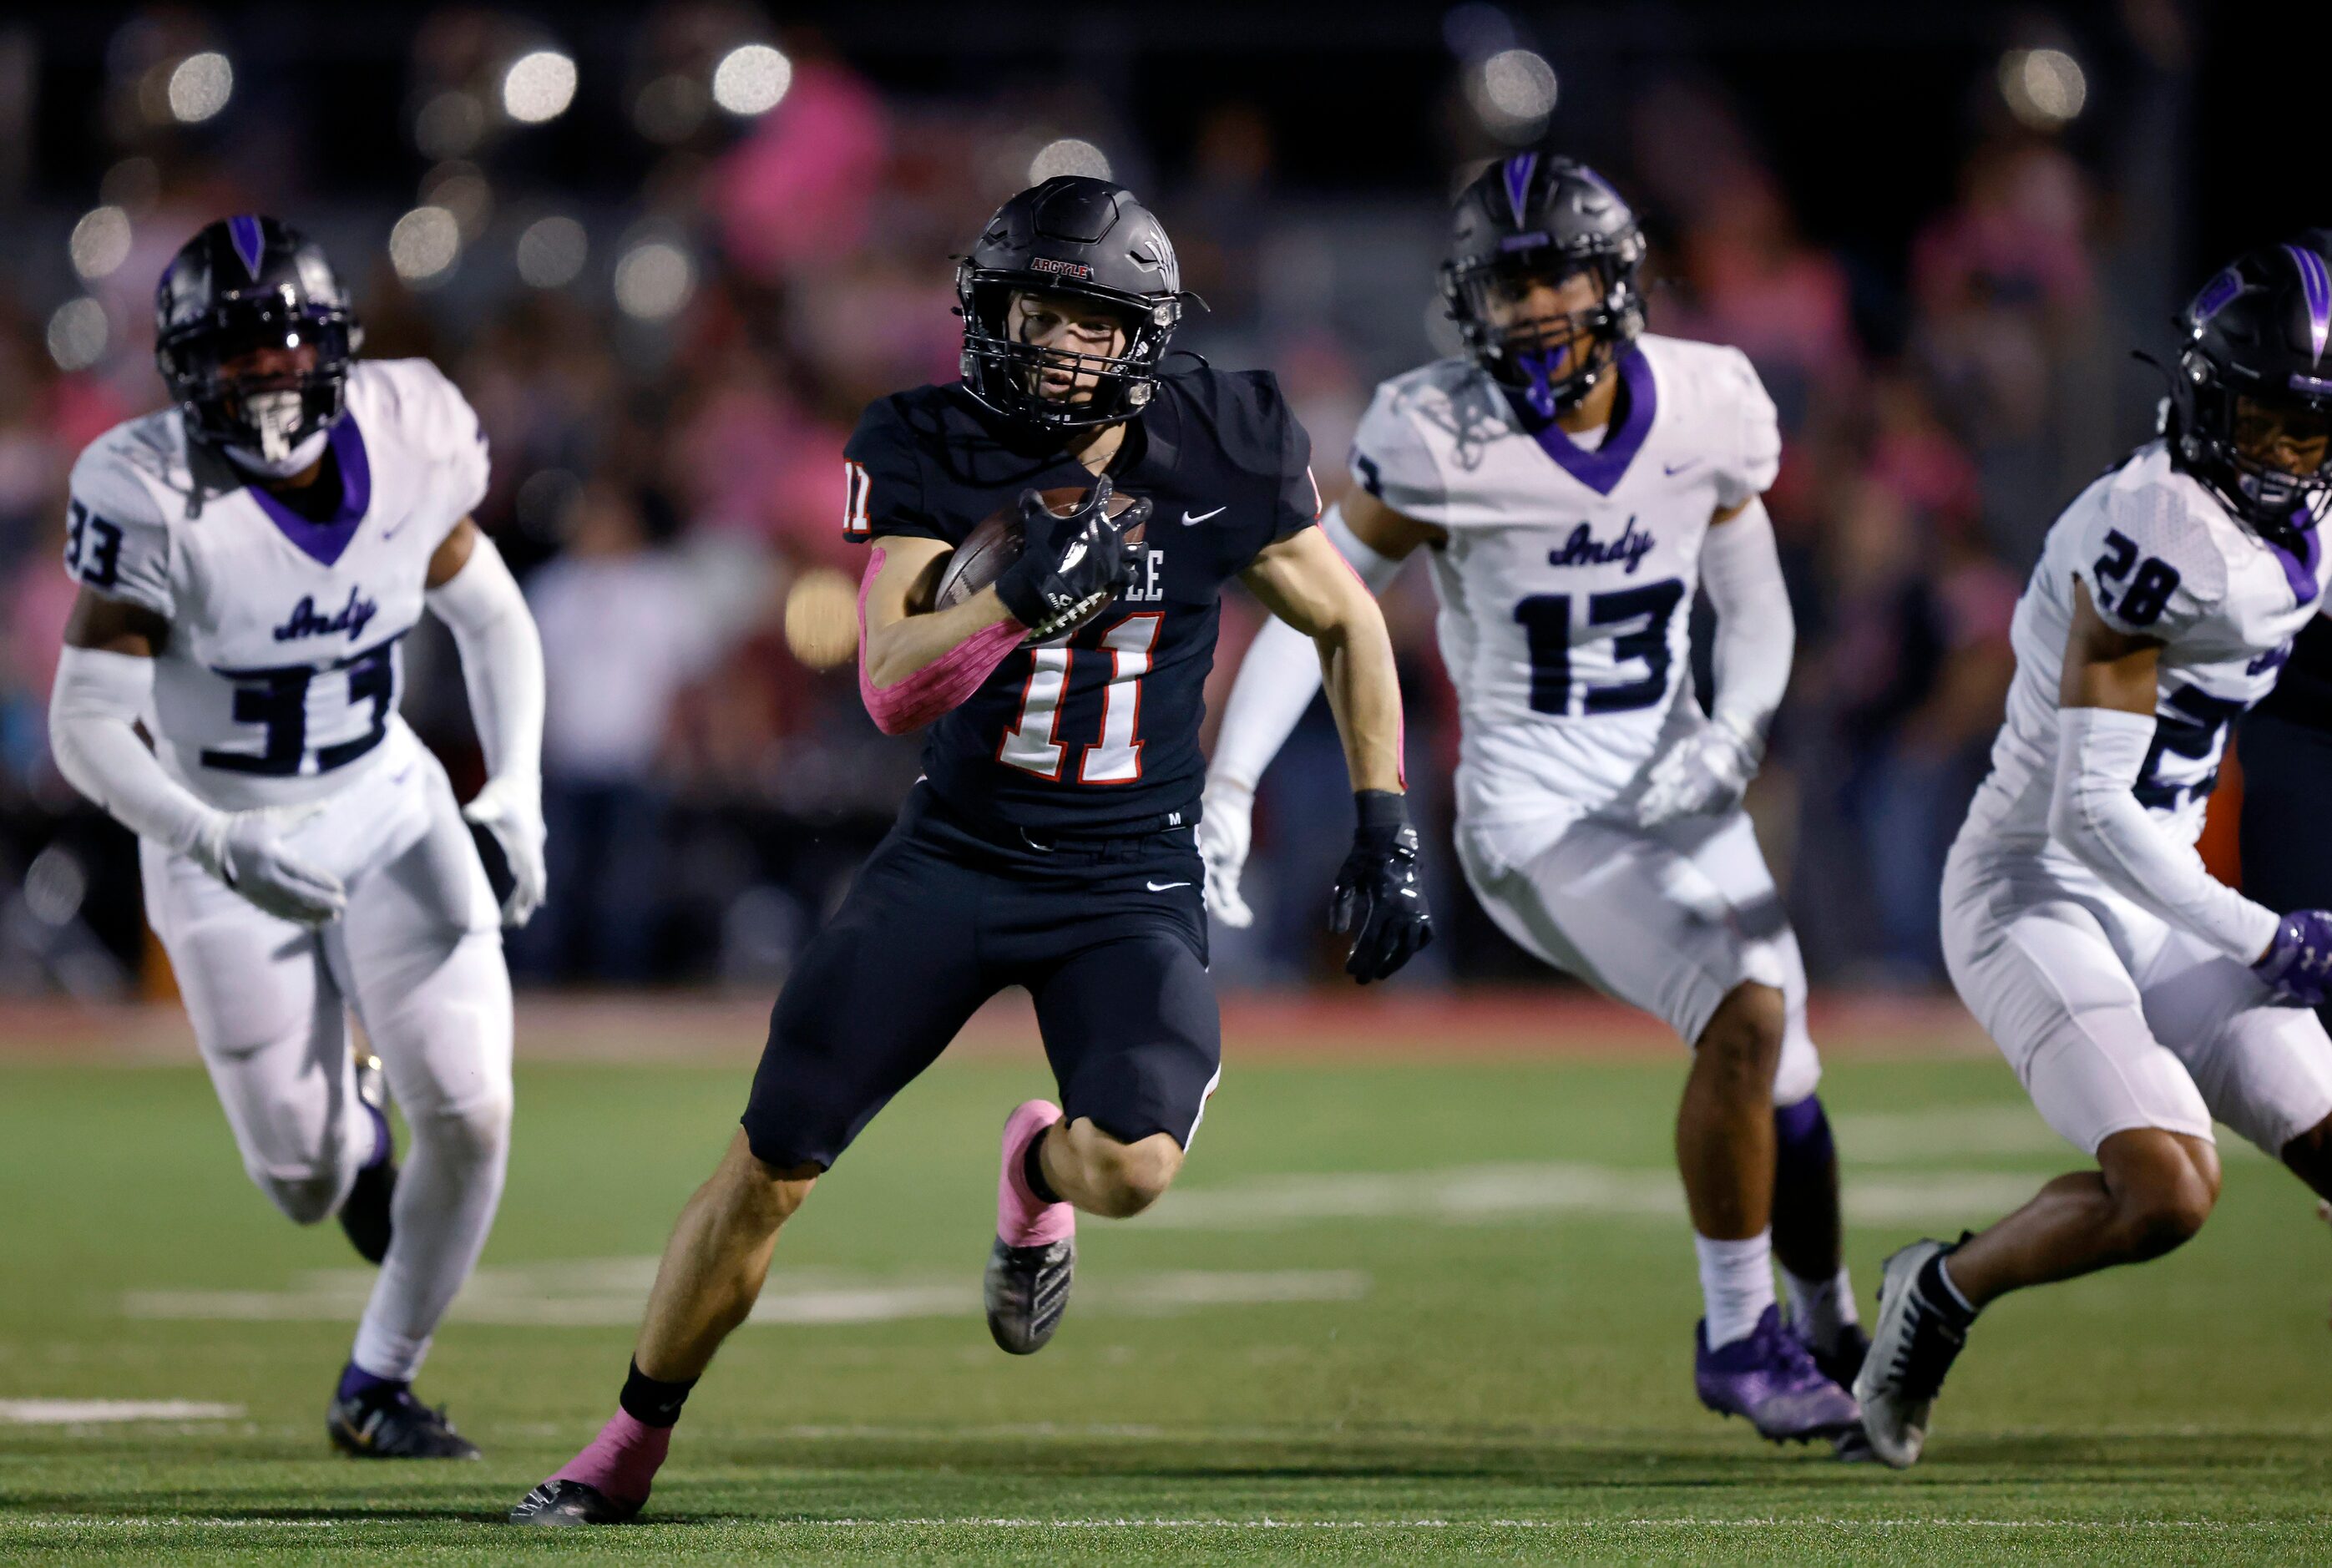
(1384, 813)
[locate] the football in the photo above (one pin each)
(995, 544)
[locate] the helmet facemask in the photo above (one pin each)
(275, 420)
(1552, 358)
(2267, 457)
(1009, 374)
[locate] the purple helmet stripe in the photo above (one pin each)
(250, 244)
(2316, 288)
(1519, 170)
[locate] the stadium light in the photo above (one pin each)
(424, 244)
(460, 188)
(654, 280)
(751, 79)
(2045, 89)
(1512, 91)
(539, 86)
(101, 243)
(78, 334)
(200, 86)
(822, 618)
(1067, 155)
(551, 252)
(450, 125)
(669, 110)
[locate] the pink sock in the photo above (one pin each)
(622, 1460)
(1023, 1219)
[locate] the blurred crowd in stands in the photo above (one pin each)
(667, 384)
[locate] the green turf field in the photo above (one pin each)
(1396, 1312)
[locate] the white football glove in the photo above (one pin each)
(1708, 773)
(509, 809)
(245, 850)
(1226, 827)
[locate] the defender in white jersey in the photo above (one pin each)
(1572, 481)
(2138, 997)
(250, 561)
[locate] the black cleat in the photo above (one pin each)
(1842, 1363)
(365, 1215)
(385, 1424)
(1028, 1290)
(572, 1503)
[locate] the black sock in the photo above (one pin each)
(1937, 1290)
(1032, 1169)
(651, 1401)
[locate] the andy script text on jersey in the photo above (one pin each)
(281, 671)
(1097, 733)
(2161, 559)
(1566, 585)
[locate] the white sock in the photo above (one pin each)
(1822, 1306)
(1737, 1283)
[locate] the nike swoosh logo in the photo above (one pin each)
(1673, 468)
(1162, 886)
(1188, 520)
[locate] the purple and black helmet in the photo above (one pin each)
(1538, 215)
(248, 282)
(2260, 330)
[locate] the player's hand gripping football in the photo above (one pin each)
(1072, 563)
(1378, 900)
(2298, 964)
(1708, 773)
(1226, 827)
(245, 850)
(505, 818)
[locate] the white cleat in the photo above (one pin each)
(1912, 1346)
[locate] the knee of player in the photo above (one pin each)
(1128, 1178)
(2161, 1215)
(475, 1130)
(1745, 1037)
(751, 1189)
(307, 1197)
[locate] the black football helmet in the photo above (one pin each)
(2259, 331)
(1536, 216)
(248, 282)
(1080, 237)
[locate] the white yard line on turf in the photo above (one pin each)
(85, 1412)
(1507, 1193)
(610, 1292)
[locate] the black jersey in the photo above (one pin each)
(1097, 733)
(2303, 692)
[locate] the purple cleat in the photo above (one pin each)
(1769, 1377)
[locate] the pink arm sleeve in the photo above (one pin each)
(915, 700)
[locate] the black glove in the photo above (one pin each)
(1069, 566)
(1379, 901)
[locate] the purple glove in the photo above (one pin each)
(2298, 964)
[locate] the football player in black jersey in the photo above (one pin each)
(1051, 843)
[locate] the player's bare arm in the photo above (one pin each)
(1314, 590)
(1304, 582)
(903, 633)
(1275, 685)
